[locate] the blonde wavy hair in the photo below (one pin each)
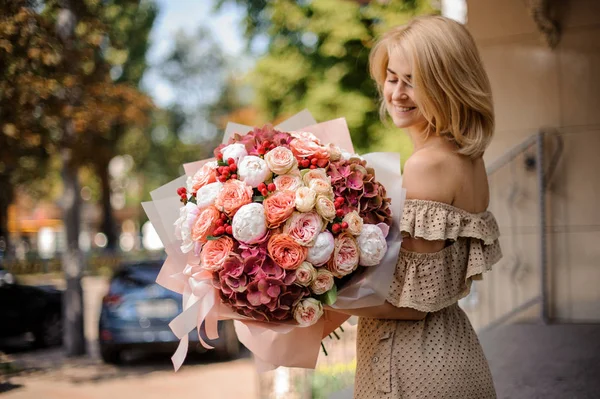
(452, 89)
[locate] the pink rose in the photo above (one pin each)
(308, 312)
(304, 227)
(323, 282)
(233, 195)
(214, 253)
(279, 207)
(345, 256)
(305, 274)
(280, 160)
(205, 224)
(207, 174)
(287, 182)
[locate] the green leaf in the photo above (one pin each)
(212, 238)
(258, 198)
(329, 297)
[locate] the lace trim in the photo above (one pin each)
(434, 220)
(429, 282)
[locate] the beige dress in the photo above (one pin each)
(440, 356)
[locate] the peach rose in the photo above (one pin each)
(308, 312)
(323, 282)
(345, 256)
(355, 223)
(315, 174)
(279, 207)
(305, 274)
(303, 147)
(214, 253)
(286, 252)
(280, 160)
(287, 182)
(304, 227)
(207, 174)
(233, 195)
(205, 224)
(325, 207)
(321, 187)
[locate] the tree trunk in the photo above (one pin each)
(109, 227)
(6, 198)
(72, 260)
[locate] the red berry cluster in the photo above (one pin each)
(265, 189)
(311, 162)
(226, 172)
(182, 192)
(223, 226)
(338, 227)
(265, 146)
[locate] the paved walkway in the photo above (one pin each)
(531, 361)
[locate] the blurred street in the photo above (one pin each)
(48, 374)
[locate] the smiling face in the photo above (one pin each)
(399, 94)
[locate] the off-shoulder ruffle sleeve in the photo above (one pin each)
(432, 281)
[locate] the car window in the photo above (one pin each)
(137, 276)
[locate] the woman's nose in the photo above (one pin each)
(399, 93)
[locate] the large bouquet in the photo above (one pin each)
(278, 224)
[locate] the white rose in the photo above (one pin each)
(323, 282)
(253, 170)
(249, 223)
(308, 312)
(183, 226)
(305, 274)
(320, 253)
(206, 195)
(280, 160)
(237, 151)
(372, 245)
(305, 199)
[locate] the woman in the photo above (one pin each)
(420, 344)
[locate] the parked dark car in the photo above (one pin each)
(29, 309)
(136, 313)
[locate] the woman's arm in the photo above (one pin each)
(385, 311)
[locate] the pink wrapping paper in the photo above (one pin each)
(273, 344)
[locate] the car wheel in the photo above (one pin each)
(50, 332)
(110, 355)
(229, 347)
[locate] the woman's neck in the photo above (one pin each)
(421, 140)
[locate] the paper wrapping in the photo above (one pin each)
(273, 344)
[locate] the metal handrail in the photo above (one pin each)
(536, 140)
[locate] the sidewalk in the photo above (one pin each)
(530, 361)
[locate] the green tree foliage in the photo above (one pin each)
(317, 58)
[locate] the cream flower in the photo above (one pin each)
(237, 151)
(305, 199)
(253, 170)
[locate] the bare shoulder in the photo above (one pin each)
(431, 174)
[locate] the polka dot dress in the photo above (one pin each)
(440, 356)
